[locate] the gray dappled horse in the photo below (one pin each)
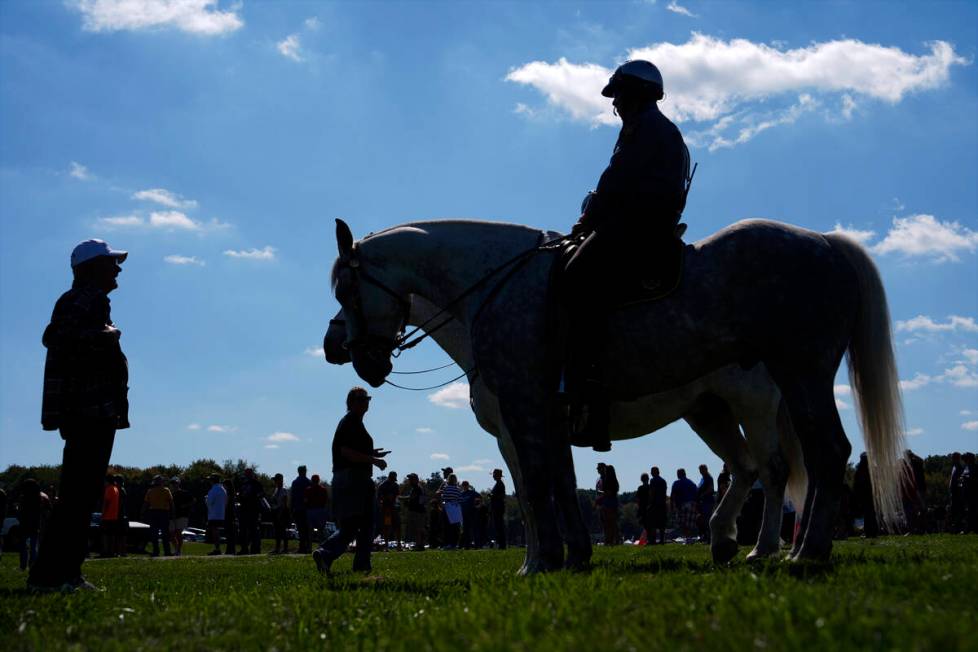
(712, 405)
(755, 292)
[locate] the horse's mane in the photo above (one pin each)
(436, 225)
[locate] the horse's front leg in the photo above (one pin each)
(508, 450)
(576, 532)
(524, 424)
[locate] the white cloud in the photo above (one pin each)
(842, 390)
(161, 221)
(290, 47)
(914, 432)
(482, 461)
(172, 220)
(965, 413)
(862, 237)
(969, 425)
(266, 253)
(735, 89)
(121, 221)
(454, 396)
(315, 351)
(918, 381)
(202, 17)
(970, 356)
(281, 436)
(848, 106)
(312, 23)
(424, 430)
(469, 468)
(177, 259)
(220, 428)
(193, 426)
(926, 236)
(927, 324)
(960, 376)
(675, 8)
(271, 445)
(79, 171)
(444, 457)
(164, 197)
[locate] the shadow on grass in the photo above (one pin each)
(808, 570)
(380, 584)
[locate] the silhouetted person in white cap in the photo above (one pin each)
(85, 397)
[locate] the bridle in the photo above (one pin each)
(378, 345)
(368, 341)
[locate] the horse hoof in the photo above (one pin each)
(757, 556)
(724, 550)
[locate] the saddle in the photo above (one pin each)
(660, 274)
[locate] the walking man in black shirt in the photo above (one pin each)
(353, 489)
(497, 504)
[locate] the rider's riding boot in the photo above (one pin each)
(596, 429)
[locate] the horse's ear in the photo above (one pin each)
(344, 238)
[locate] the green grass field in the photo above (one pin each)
(899, 593)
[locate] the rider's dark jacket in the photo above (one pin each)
(644, 184)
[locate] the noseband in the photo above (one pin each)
(374, 345)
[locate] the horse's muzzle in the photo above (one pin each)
(333, 343)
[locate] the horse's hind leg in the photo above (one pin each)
(826, 449)
(713, 421)
(761, 430)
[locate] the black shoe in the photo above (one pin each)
(323, 562)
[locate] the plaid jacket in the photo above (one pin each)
(86, 375)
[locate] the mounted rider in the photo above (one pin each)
(626, 226)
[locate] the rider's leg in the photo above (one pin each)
(586, 278)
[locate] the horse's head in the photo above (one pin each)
(374, 314)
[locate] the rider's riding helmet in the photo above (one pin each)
(634, 74)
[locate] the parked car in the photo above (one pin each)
(136, 539)
(194, 534)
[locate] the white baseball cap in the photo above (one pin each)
(93, 249)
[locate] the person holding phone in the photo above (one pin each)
(354, 456)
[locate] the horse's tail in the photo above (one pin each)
(797, 486)
(875, 384)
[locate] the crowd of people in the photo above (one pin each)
(685, 507)
(442, 512)
(691, 504)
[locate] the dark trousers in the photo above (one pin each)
(64, 545)
(28, 548)
(230, 534)
(159, 527)
(302, 525)
(499, 528)
(249, 534)
(358, 528)
(467, 539)
(281, 520)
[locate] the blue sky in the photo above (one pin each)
(216, 142)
